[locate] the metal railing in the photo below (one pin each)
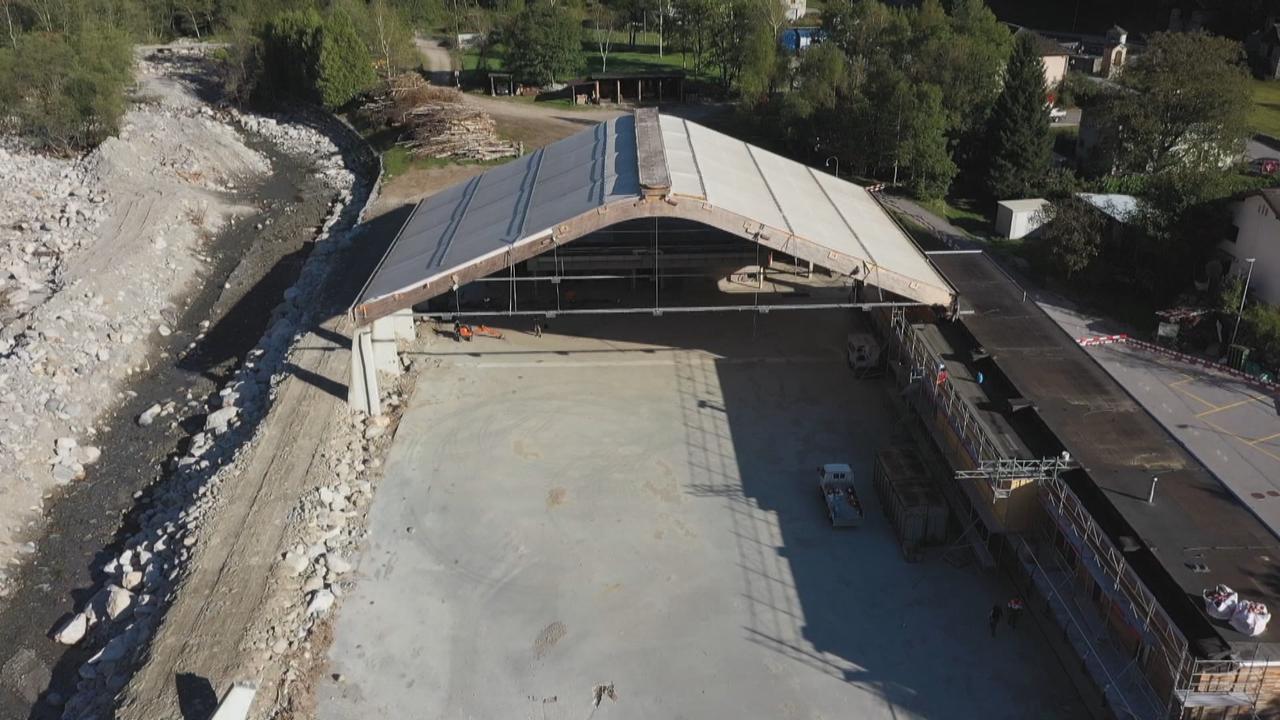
(1099, 553)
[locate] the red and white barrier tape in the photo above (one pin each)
(1102, 340)
(1091, 340)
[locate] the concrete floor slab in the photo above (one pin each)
(633, 502)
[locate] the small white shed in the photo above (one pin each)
(1019, 218)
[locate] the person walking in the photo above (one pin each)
(994, 619)
(537, 329)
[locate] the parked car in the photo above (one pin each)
(1264, 166)
(1057, 114)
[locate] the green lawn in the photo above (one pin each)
(1265, 116)
(964, 213)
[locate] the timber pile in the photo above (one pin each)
(438, 122)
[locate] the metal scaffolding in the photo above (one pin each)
(990, 464)
(1003, 473)
(1093, 546)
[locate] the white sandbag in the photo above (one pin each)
(1250, 618)
(1220, 602)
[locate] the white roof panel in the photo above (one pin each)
(886, 243)
(731, 178)
(450, 233)
(683, 167)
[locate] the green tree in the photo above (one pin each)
(865, 29)
(312, 58)
(1263, 325)
(969, 74)
(344, 68)
(1071, 236)
(1185, 105)
(1018, 141)
(544, 44)
(822, 79)
(735, 33)
(290, 55)
(813, 112)
(921, 142)
(692, 31)
(384, 30)
(420, 13)
(66, 91)
(759, 65)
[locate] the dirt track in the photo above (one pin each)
(209, 632)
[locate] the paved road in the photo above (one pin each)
(1229, 425)
(948, 233)
(436, 59)
(1254, 150)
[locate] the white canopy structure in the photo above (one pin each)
(645, 165)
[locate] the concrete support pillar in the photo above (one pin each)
(402, 325)
(362, 391)
(236, 703)
(383, 338)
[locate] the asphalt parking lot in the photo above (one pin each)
(631, 503)
(1231, 426)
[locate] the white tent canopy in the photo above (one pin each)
(644, 166)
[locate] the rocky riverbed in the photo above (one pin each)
(150, 293)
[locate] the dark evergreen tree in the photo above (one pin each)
(1018, 142)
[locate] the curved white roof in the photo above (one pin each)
(645, 165)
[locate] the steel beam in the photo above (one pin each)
(672, 206)
(763, 309)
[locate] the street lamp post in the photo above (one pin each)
(828, 164)
(1243, 294)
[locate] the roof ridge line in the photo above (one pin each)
(844, 219)
(693, 154)
(760, 171)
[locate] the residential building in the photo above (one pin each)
(1101, 56)
(795, 8)
(1255, 233)
(1055, 58)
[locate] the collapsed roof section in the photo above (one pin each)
(645, 165)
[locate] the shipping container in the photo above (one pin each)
(911, 500)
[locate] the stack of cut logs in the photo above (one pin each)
(438, 122)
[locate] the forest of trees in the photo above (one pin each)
(66, 65)
(901, 94)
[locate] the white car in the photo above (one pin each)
(1057, 114)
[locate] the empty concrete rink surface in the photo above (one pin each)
(633, 503)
